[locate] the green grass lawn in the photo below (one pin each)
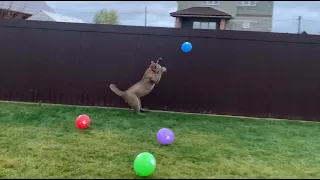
(43, 142)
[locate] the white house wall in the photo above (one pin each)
(263, 24)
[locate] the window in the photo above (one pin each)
(204, 25)
(246, 25)
(196, 25)
(210, 3)
(212, 25)
(247, 3)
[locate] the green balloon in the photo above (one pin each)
(144, 164)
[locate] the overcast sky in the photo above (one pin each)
(132, 13)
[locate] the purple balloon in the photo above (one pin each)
(165, 136)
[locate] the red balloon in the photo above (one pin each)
(82, 121)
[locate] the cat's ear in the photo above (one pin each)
(159, 60)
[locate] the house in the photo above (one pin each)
(304, 33)
(21, 9)
(225, 15)
(49, 16)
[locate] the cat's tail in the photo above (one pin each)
(116, 90)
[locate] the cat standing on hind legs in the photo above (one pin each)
(150, 78)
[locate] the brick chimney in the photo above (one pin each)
(177, 23)
(222, 24)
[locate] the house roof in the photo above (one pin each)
(27, 7)
(304, 32)
(62, 18)
(201, 12)
(44, 15)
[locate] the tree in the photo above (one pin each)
(9, 13)
(106, 17)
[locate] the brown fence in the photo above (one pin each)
(227, 72)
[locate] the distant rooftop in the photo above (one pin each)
(27, 7)
(49, 16)
(200, 12)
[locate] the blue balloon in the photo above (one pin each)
(186, 47)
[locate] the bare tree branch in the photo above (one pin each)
(10, 13)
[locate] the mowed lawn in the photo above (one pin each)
(43, 142)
